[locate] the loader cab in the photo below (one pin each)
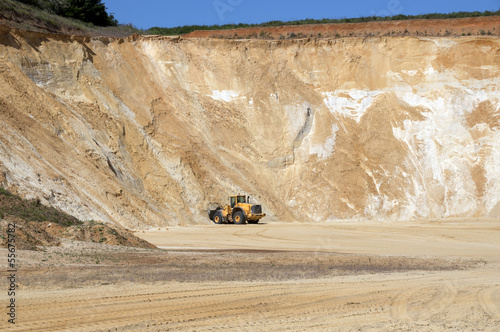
(233, 200)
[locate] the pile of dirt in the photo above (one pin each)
(36, 226)
(29, 235)
(92, 231)
(32, 235)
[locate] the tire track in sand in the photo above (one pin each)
(56, 314)
(423, 308)
(489, 299)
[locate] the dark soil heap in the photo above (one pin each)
(37, 225)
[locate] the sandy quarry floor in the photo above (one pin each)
(439, 275)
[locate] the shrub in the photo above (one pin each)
(5, 192)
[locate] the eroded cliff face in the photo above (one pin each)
(149, 131)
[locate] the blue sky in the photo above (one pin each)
(170, 13)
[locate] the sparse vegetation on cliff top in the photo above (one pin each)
(190, 28)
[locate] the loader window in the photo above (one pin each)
(233, 201)
(241, 199)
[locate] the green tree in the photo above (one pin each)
(92, 11)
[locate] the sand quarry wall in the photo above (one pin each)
(151, 131)
(486, 25)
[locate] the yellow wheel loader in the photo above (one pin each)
(238, 211)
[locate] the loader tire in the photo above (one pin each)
(239, 218)
(218, 218)
(253, 221)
